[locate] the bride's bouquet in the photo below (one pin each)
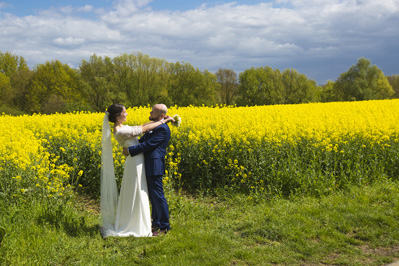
(177, 119)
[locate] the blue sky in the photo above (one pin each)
(319, 38)
(25, 8)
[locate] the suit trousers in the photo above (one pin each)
(160, 209)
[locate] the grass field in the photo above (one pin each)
(358, 226)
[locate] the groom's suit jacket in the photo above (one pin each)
(153, 144)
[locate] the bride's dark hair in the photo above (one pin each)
(114, 110)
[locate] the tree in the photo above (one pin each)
(9, 64)
(190, 86)
(327, 92)
(394, 81)
(54, 104)
(52, 80)
(20, 82)
(97, 75)
(143, 79)
(261, 86)
(298, 88)
(5, 90)
(363, 81)
(206, 92)
(227, 79)
(16, 70)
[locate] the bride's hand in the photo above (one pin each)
(168, 119)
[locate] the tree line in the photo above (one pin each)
(139, 80)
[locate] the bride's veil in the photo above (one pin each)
(109, 194)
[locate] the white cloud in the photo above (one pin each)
(229, 35)
(86, 8)
(69, 41)
(125, 8)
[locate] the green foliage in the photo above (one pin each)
(2, 234)
(265, 86)
(362, 81)
(327, 92)
(8, 110)
(261, 86)
(97, 75)
(14, 78)
(189, 86)
(5, 89)
(298, 88)
(394, 81)
(132, 80)
(228, 92)
(11, 64)
(139, 80)
(51, 87)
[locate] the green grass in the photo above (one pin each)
(357, 226)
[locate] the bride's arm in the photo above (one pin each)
(151, 125)
(165, 118)
(148, 123)
(135, 131)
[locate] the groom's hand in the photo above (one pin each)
(126, 151)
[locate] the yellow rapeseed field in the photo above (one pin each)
(262, 149)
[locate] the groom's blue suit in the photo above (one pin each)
(154, 144)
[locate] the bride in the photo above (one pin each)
(130, 215)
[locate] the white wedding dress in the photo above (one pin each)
(133, 216)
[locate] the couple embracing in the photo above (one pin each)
(129, 214)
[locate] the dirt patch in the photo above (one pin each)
(371, 254)
(388, 252)
(369, 257)
(87, 203)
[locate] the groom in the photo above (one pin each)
(153, 144)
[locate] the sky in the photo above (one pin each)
(318, 38)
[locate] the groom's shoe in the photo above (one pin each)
(159, 232)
